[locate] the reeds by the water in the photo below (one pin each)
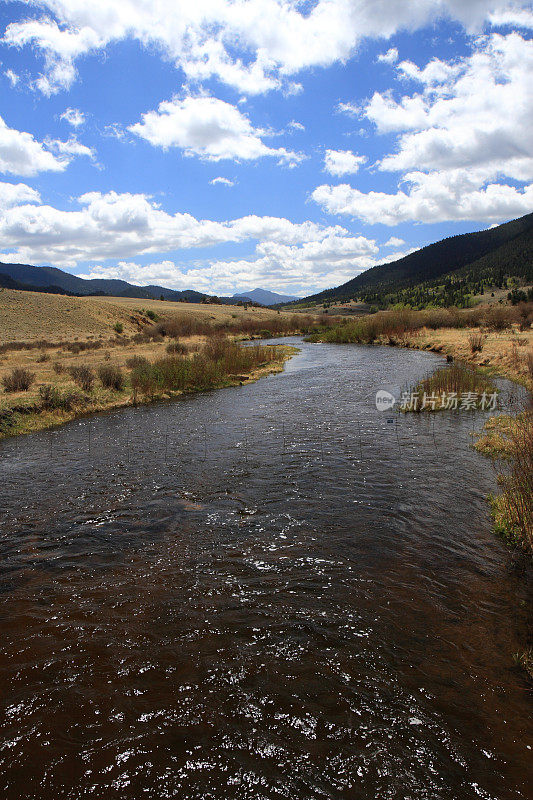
(219, 360)
(457, 386)
(513, 508)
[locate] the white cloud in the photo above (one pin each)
(12, 77)
(12, 194)
(390, 57)
(435, 72)
(21, 154)
(388, 115)
(303, 268)
(459, 139)
(70, 148)
(342, 162)
(253, 46)
(483, 118)
(209, 128)
(350, 109)
(295, 126)
(222, 181)
(434, 197)
(74, 117)
(394, 242)
(516, 18)
(123, 226)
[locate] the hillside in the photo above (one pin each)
(32, 316)
(446, 272)
(51, 279)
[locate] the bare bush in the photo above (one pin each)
(18, 380)
(499, 318)
(136, 361)
(83, 376)
(176, 348)
(111, 377)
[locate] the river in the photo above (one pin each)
(268, 591)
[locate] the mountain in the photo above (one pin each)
(265, 297)
(447, 270)
(51, 279)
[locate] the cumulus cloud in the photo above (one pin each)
(515, 18)
(72, 147)
(342, 162)
(295, 126)
(350, 109)
(74, 117)
(428, 198)
(21, 154)
(484, 117)
(394, 242)
(13, 194)
(253, 46)
(301, 268)
(459, 138)
(209, 128)
(122, 226)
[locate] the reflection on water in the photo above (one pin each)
(272, 591)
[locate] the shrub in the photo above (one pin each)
(176, 348)
(152, 315)
(51, 398)
(111, 377)
(78, 347)
(219, 359)
(525, 316)
(499, 318)
(118, 327)
(83, 376)
(58, 367)
(42, 358)
(136, 361)
(19, 380)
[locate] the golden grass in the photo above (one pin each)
(505, 352)
(41, 332)
(100, 399)
(32, 316)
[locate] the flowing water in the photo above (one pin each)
(269, 591)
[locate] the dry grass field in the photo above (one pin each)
(32, 316)
(507, 353)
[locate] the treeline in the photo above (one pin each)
(449, 272)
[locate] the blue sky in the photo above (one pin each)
(221, 146)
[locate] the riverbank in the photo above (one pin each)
(500, 344)
(67, 386)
